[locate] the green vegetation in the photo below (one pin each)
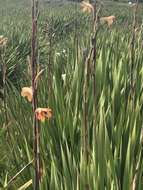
(115, 143)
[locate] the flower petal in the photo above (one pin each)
(27, 92)
(86, 7)
(43, 113)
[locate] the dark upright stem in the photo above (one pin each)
(94, 62)
(133, 49)
(36, 126)
(90, 69)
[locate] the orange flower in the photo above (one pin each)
(109, 20)
(43, 113)
(27, 92)
(86, 7)
(3, 40)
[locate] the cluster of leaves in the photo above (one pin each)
(115, 145)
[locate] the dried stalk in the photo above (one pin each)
(90, 69)
(76, 34)
(50, 70)
(50, 38)
(133, 49)
(36, 127)
(85, 99)
(94, 42)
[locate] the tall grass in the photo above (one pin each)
(115, 156)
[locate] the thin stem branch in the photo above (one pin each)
(85, 99)
(90, 70)
(36, 127)
(94, 42)
(133, 48)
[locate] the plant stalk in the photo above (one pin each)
(133, 49)
(94, 42)
(36, 127)
(90, 71)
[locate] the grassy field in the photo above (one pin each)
(114, 139)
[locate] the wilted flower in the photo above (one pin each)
(109, 20)
(27, 92)
(43, 113)
(3, 40)
(86, 7)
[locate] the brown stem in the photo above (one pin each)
(94, 62)
(133, 49)
(36, 127)
(90, 69)
(76, 33)
(49, 37)
(50, 68)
